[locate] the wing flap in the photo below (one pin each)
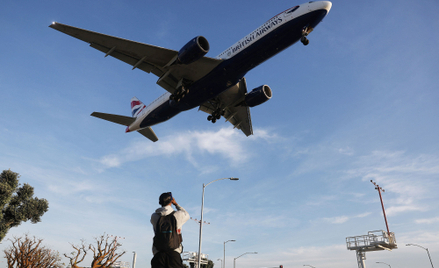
(130, 59)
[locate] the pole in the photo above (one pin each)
(201, 229)
(384, 263)
(428, 252)
(234, 260)
(201, 221)
(377, 187)
(134, 259)
(224, 259)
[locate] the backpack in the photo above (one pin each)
(166, 236)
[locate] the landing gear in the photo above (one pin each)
(305, 31)
(181, 91)
(215, 115)
(304, 40)
(179, 94)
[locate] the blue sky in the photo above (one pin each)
(358, 103)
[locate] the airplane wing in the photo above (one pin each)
(230, 100)
(126, 121)
(148, 58)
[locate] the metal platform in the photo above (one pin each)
(373, 241)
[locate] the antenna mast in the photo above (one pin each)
(377, 187)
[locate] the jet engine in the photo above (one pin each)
(258, 96)
(193, 50)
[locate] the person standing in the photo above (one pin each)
(166, 247)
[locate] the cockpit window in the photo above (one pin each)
(292, 10)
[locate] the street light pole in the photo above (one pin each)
(428, 252)
(221, 262)
(224, 259)
(134, 259)
(201, 221)
(234, 260)
(384, 263)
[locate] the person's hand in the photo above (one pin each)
(174, 202)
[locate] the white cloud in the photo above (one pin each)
(110, 161)
(346, 151)
(343, 219)
(393, 210)
(363, 215)
(227, 142)
(427, 221)
(397, 173)
(337, 220)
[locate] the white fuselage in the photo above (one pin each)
(271, 25)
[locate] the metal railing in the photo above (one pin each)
(372, 239)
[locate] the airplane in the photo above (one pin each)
(216, 85)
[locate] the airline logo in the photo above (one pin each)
(256, 34)
(136, 107)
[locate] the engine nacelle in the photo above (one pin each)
(193, 50)
(258, 96)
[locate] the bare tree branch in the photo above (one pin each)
(28, 252)
(77, 256)
(105, 254)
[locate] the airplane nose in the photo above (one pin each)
(320, 5)
(326, 5)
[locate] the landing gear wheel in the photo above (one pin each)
(213, 117)
(216, 115)
(304, 41)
